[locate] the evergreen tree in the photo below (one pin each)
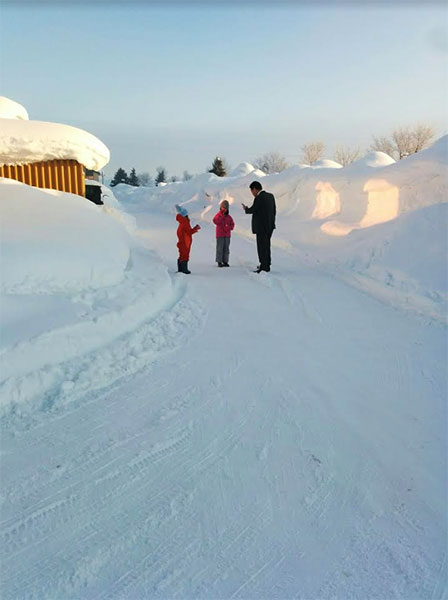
(120, 177)
(133, 179)
(218, 167)
(161, 175)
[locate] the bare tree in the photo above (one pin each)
(144, 179)
(345, 156)
(186, 176)
(272, 162)
(404, 141)
(312, 152)
(383, 144)
(423, 134)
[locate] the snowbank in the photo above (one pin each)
(389, 252)
(386, 261)
(23, 142)
(45, 231)
(363, 194)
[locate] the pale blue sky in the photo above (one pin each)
(177, 84)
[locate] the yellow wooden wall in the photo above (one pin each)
(63, 175)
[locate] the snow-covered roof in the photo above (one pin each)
(23, 142)
(12, 110)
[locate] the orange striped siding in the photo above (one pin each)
(67, 176)
(63, 175)
(33, 178)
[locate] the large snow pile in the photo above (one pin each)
(45, 231)
(12, 110)
(386, 261)
(360, 195)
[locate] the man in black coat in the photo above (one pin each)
(263, 212)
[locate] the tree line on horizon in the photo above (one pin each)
(402, 142)
(218, 167)
(145, 179)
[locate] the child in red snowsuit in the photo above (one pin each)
(224, 225)
(185, 237)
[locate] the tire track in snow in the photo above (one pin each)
(89, 457)
(129, 473)
(208, 457)
(212, 454)
(293, 294)
(270, 565)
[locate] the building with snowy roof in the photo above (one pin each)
(46, 155)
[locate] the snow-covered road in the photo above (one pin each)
(289, 443)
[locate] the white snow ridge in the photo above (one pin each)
(225, 434)
(12, 110)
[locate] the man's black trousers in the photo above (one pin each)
(264, 250)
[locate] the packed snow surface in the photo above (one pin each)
(12, 110)
(227, 434)
(23, 142)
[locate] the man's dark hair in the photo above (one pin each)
(255, 185)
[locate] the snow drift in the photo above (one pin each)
(57, 242)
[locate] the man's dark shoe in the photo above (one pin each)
(225, 265)
(220, 264)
